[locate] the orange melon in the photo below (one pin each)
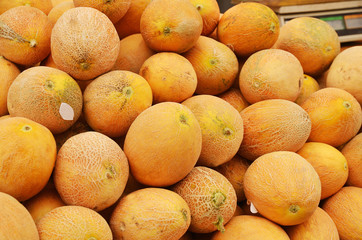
(8, 72)
(119, 97)
(73, 222)
(133, 52)
(319, 226)
(250, 228)
(283, 187)
(84, 43)
(114, 9)
(46, 95)
(345, 72)
(211, 198)
(163, 144)
(130, 23)
(221, 127)
(16, 221)
(27, 157)
(345, 209)
(309, 86)
(216, 66)
(59, 9)
(313, 41)
(170, 26)
(353, 153)
(43, 5)
(235, 98)
(273, 125)
(25, 35)
(171, 77)
(91, 171)
(335, 114)
(248, 27)
(271, 74)
(45, 201)
(330, 165)
(210, 13)
(150, 214)
(234, 170)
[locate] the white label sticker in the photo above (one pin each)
(66, 111)
(252, 208)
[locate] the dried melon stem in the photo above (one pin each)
(220, 224)
(346, 104)
(26, 128)
(166, 30)
(294, 208)
(8, 33)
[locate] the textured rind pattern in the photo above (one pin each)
(73, 222)
(150, 214)
(273, 125)
(345, 209)
(38, 92)
(199, 189)
(221, 126)
(91, 171)
(271, 74)
(248, 27)
(25, 35)
(278, 181)
(114, 100)
(215, 64)
(84, 43)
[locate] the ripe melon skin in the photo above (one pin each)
(73, 222)
(335, 114)
(163, 144)
(319, 226)
(91, 170)
(345, 209)
(283, 187)
(8, 72)
(16, 221)
(313, 41)
(84, 43)
(27, 157)
(273, 125)
(345, 72)
(250, 228)
(150, 214)
(353, 153)
(25, 34)
(46, 95)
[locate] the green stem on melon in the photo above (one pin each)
(220, 224)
